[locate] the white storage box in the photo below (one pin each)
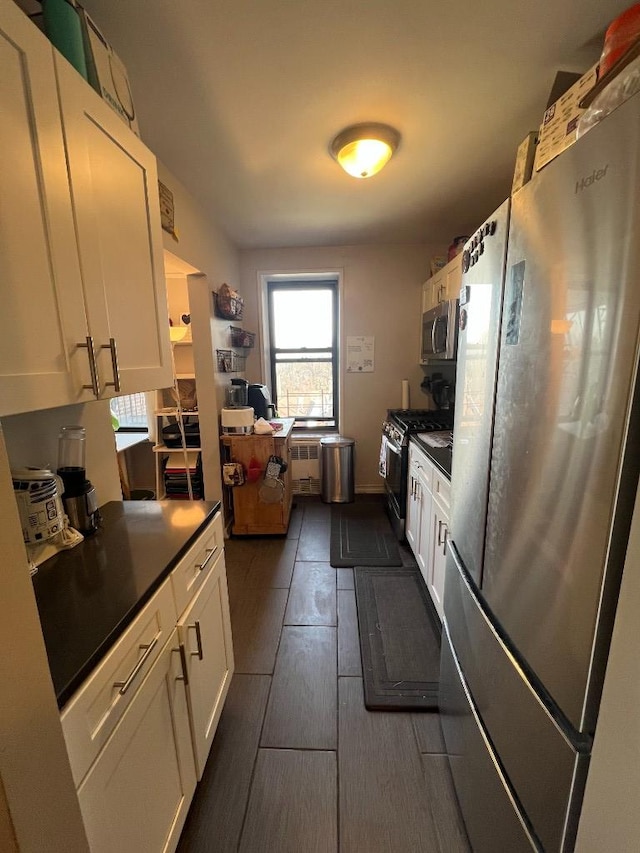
(524, 161)
(106, 73)
(560, 121)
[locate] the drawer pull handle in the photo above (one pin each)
(111, 346)
(125, 685)
(183, 663)
(93, 369)
(199, 654)
(210, 552)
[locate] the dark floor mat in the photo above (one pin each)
(399, 639)
(362, 536)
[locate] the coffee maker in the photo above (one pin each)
(79, 496)
(260, 399)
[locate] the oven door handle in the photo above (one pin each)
(393, 447)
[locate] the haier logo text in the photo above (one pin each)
(596, 175)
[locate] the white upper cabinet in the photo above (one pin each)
(41, 364)
(444, 285)
(81, 269)
(114, 192)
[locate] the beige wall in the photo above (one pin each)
(380, 296)
(203, 245)
(32, 439)
(34, 768)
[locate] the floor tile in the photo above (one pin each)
(292, 807)
(295, 522)
(217, 812)
(316, 510)
(383, 807)
(349, 662)
(313, 549)
(312, 600)
(345, 578)
(239, 552)
(302, 709)
(272, 564)
(449, 826)
(256, 623)
(236, 581)
(428, 732)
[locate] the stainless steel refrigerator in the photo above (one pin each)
(545, 470)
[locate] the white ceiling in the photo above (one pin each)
(241, 99)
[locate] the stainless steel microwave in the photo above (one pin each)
(440, 332)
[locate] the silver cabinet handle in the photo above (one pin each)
(209, 552)
(439, 531)
(126, 684)
(199, 654)
(444, 539)
(93, 370)
(183, 663)
(114, 365)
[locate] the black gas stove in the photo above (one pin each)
(401, 423)
(394, 454)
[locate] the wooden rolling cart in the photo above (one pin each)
(251, 514)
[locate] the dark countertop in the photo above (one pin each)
(440, 456)
(87, 596)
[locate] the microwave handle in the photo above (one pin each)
(433, 336)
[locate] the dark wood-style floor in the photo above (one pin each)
(298, 764)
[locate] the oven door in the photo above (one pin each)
(396, 478)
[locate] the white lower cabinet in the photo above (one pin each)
(135, 797)
(140, 728)
(205, 633)
(427, 520)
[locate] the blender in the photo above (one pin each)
(79, 496)
(237, 417)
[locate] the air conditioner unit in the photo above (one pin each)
(305, 467)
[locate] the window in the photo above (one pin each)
(131, 412)
(303, 335)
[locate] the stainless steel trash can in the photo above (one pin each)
(336, 460)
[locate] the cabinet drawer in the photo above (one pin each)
(441, 490)
(190, 573)
(92, 714)
(420, 460)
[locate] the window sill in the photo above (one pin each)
(125, 440)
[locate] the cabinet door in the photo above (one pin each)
(423, 557)
(412, 525)
(453, 278)
(41, 364)
(205, 633)
(114, 189)
(433, 290)
(136, 796)
(439, 533)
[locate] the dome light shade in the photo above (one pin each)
(363, 149)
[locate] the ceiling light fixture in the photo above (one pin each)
(363, 149)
